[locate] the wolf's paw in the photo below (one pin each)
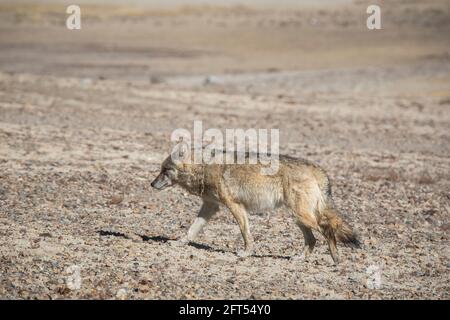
(302, 256)
(244, 253)
(179, 243)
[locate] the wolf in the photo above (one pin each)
(299, 185)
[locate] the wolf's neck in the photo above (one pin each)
(194, 182)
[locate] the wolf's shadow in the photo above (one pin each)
(200, 246)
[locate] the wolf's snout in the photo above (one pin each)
(161, 182)
(156, 183)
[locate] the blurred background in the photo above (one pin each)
(185, 41)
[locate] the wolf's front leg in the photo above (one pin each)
(240, 214)
(207, 210)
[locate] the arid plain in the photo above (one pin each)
(86, 117)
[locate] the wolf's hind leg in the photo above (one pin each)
(310, 240)
(305, 219)
(207, 210)
(332, 246)
(328, 232)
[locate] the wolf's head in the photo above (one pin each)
(167, 176)
(174, 169)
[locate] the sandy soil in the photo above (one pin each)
(86, 118)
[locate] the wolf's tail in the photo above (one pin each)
(330, 222)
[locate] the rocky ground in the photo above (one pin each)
(86, 118)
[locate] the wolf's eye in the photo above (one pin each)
(169, 171)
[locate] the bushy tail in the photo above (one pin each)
(347, 236)
(330, 222)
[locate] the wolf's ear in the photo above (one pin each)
(181, 153)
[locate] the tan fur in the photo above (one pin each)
(299, 185)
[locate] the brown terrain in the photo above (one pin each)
(86, 117)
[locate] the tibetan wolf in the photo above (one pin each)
(300, 185)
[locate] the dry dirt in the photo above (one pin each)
(86, 118)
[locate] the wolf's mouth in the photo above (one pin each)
(161, 183)
(161, 187)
